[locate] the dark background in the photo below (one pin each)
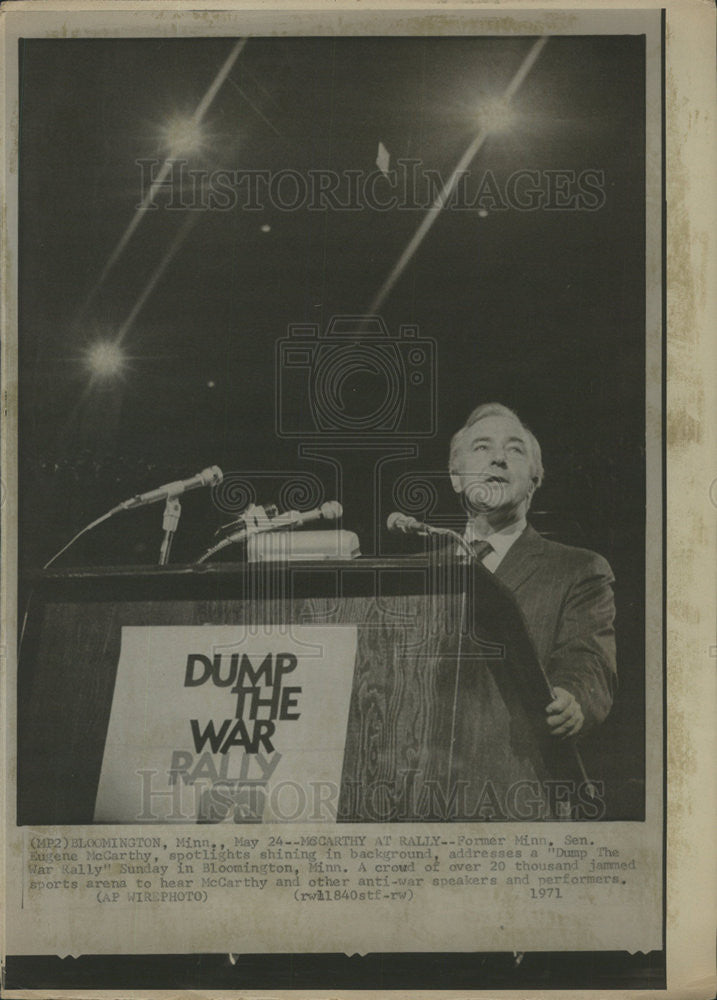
(542, 310)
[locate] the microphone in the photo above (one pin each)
(252, 514)
(411, 526)
(329, 511)
(207, 477)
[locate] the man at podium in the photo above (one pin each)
(475, 718)
(564, 592)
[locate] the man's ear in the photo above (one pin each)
(456, 482)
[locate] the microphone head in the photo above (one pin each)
(212, 475)
(331, 510)
(405, 523)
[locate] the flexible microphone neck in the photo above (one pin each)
(411, 525)
(207, 477)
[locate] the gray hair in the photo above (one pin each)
(499, 410)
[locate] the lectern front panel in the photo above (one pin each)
(423, 679)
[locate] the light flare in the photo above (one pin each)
(443, 196)
(105, 359)
(183, 136)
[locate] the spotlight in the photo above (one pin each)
(182, 136)
(496, 115)
(105, 359)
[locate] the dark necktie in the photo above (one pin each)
(481, 548)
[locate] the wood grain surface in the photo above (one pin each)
(429, 712)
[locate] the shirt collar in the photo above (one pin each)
(500, 540)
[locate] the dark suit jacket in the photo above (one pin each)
(566, 598)
(478, 746)
(501, 744)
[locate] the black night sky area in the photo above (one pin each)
(541, 309)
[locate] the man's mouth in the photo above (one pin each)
(496, 479)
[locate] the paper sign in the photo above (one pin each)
(226, 724)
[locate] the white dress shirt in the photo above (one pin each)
(500, 540)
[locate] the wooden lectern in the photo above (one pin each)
(446, 716)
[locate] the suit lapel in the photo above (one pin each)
(521, 560)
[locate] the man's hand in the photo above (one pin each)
(565, 716)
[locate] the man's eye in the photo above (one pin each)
(479, 447)
(516, 448)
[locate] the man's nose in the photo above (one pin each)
(499, 459)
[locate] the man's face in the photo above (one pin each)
(493, 466)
